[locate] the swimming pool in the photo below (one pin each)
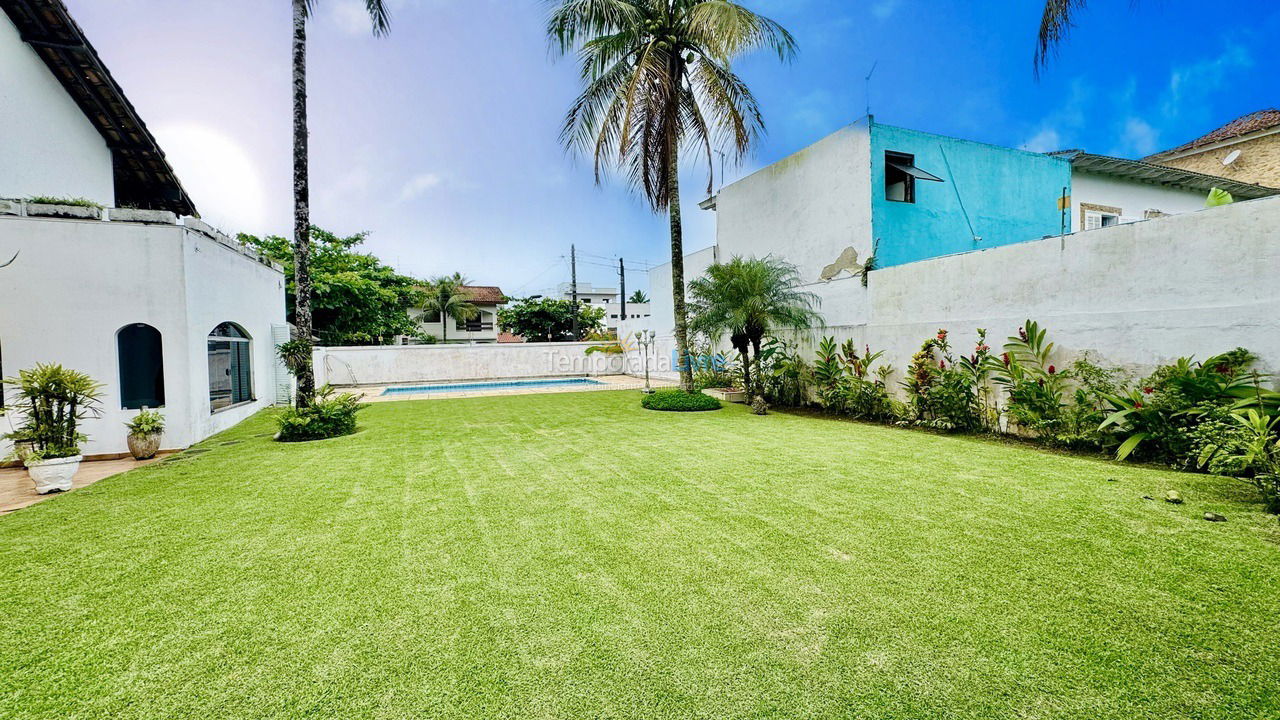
(499, 385)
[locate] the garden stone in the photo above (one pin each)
(1173, 497)
(1214, 517)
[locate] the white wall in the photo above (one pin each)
(222, 285)
(47, 144)
(1133, 198)
(807, 209)
(399, 364)
(1138, 295)
(76, 283)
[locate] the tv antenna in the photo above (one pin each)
(868, 85)
(1231, 157)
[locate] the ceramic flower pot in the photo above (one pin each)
(144, 447)
(53, 475)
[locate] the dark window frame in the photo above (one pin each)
(238, 370)
(134, 393)
(893, 175)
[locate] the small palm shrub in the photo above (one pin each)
(329, 415)
(679, 401)
(52, 400)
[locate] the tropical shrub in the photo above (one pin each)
(676, 400)
(52, 400)
(329, 415)
(147, 422)
(1033, 387)
(1155, 420)
(942, 393)
(784, 376)
(1256, 451)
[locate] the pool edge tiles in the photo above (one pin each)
(483, 386)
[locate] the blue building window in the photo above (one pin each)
(900, 176)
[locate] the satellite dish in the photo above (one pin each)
(1231, 157)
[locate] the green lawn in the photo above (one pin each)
(575, 556)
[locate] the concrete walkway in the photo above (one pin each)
(17, 491)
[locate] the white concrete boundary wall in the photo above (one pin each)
(396, 364)
(1137, 295)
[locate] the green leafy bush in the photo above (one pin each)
(329, 415)
(147, 422)
(679, 401)
(782, 375)
(52, 400)
(53, 200)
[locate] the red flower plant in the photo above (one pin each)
(1137, 406)
(942, 364)
(1005, 358)
(1053, 370)
(942, 336)
(1022, 333)
(1148, 390)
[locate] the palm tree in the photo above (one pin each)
(381, 19)
(638, 298)
(747, 300)
(658, 80)
(1055, 23)
(449, 298)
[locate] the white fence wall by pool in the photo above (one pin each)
(397, 364)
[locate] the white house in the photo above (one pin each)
(483, 328)
(125, 285)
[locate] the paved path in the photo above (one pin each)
(17, 491)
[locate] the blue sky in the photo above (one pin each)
(441, 139)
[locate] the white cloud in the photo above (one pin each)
(1047, 140)
(884, 8)
(1139, 138)
(350, 16)
(419, 185)
(1190, 86)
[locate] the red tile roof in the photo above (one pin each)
(485, 294)
(506, 337)
(1253, 122)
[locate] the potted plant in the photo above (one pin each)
(52, 400)
(144, 434)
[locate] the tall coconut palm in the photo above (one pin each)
(380, 18)
(448, 297)
(747, 300)
(658, 81)
(1055, 23)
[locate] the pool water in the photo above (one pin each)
(499, 385)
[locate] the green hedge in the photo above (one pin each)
(679, 401)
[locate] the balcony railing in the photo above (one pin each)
(476, 326)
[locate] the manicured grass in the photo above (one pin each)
(575, 556)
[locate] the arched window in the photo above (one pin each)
(139, 351)
(230, 376)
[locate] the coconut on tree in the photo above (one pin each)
(658, 83)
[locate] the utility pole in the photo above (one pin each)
(573, 281)
(622, 280)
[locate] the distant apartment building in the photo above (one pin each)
(615, 311)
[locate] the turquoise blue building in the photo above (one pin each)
(933, 195)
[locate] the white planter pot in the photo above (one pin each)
(53, 475)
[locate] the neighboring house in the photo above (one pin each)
(1109, 191)
(165, 311)
(483, 328)
(617, 312)
(1246, 150)
(905, 196)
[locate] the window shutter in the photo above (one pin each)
(280, 334)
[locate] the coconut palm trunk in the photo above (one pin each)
(677, 272)
(301, 206)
